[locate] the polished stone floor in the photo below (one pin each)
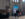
(13, 17)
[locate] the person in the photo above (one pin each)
(7, 13)
(17, 12)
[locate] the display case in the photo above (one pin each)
(4, 5)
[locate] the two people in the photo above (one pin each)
(15, 9)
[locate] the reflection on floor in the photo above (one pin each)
(20, 17)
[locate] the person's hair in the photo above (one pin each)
(17, 11)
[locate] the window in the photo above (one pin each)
(15, 0)
(23, 0)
